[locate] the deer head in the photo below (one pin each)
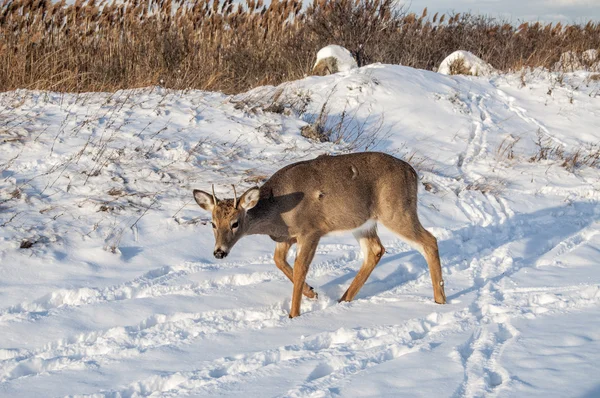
(229, 217)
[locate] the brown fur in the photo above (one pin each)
(224, 210)
(305, 201)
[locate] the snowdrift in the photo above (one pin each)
(464, 63)
(109, 286)
(333, 59)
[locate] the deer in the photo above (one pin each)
(304, 201)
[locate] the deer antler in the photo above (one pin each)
(234, 196)
(213, 192)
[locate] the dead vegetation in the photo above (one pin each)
(326, 66)
(492, 186)
(506, 149)
(346, 129)
(98, 45)
(572, 159)
(586, 155)
(459, 67)
(280, 101)
(26, 244)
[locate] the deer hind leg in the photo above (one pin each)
(280, 257)
(411, 230)
(306, 251)
(373, 251)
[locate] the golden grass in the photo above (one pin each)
(106, 45)
(458, 67)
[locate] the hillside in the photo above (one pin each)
(109, 288)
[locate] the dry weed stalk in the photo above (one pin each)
(586, 155)
(506, 149)
(458, 67)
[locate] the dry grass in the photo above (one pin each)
(506, 149)
(326, 66)
(492, 186)
(458, 67)
(281, 101)
(317, 130)
(346, 129)
(572, 159)
(587, 155)
(103, 46)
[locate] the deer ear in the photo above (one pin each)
(204, 200)
(249, 199)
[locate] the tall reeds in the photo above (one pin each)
(101, 45)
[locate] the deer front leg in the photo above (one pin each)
(280, 257)
(306, 251)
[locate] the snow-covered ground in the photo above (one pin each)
(116, 292)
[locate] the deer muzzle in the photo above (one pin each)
(220, 253)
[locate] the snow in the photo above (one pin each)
(589, 56)
(345, 60)
(568, 62)
(591, 60)
(475, 65)
(120, 296)
(571, 61)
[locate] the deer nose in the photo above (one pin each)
(219, 253)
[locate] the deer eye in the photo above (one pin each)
(234, 225)
(213, 225)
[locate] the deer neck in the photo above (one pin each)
(262, 221)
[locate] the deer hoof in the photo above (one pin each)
(311, 293)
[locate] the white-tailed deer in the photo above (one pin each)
(306, 200)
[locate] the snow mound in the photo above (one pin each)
(589, 56)
(569, 62)
(465, 63)
(333, 59)
(591, 60)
